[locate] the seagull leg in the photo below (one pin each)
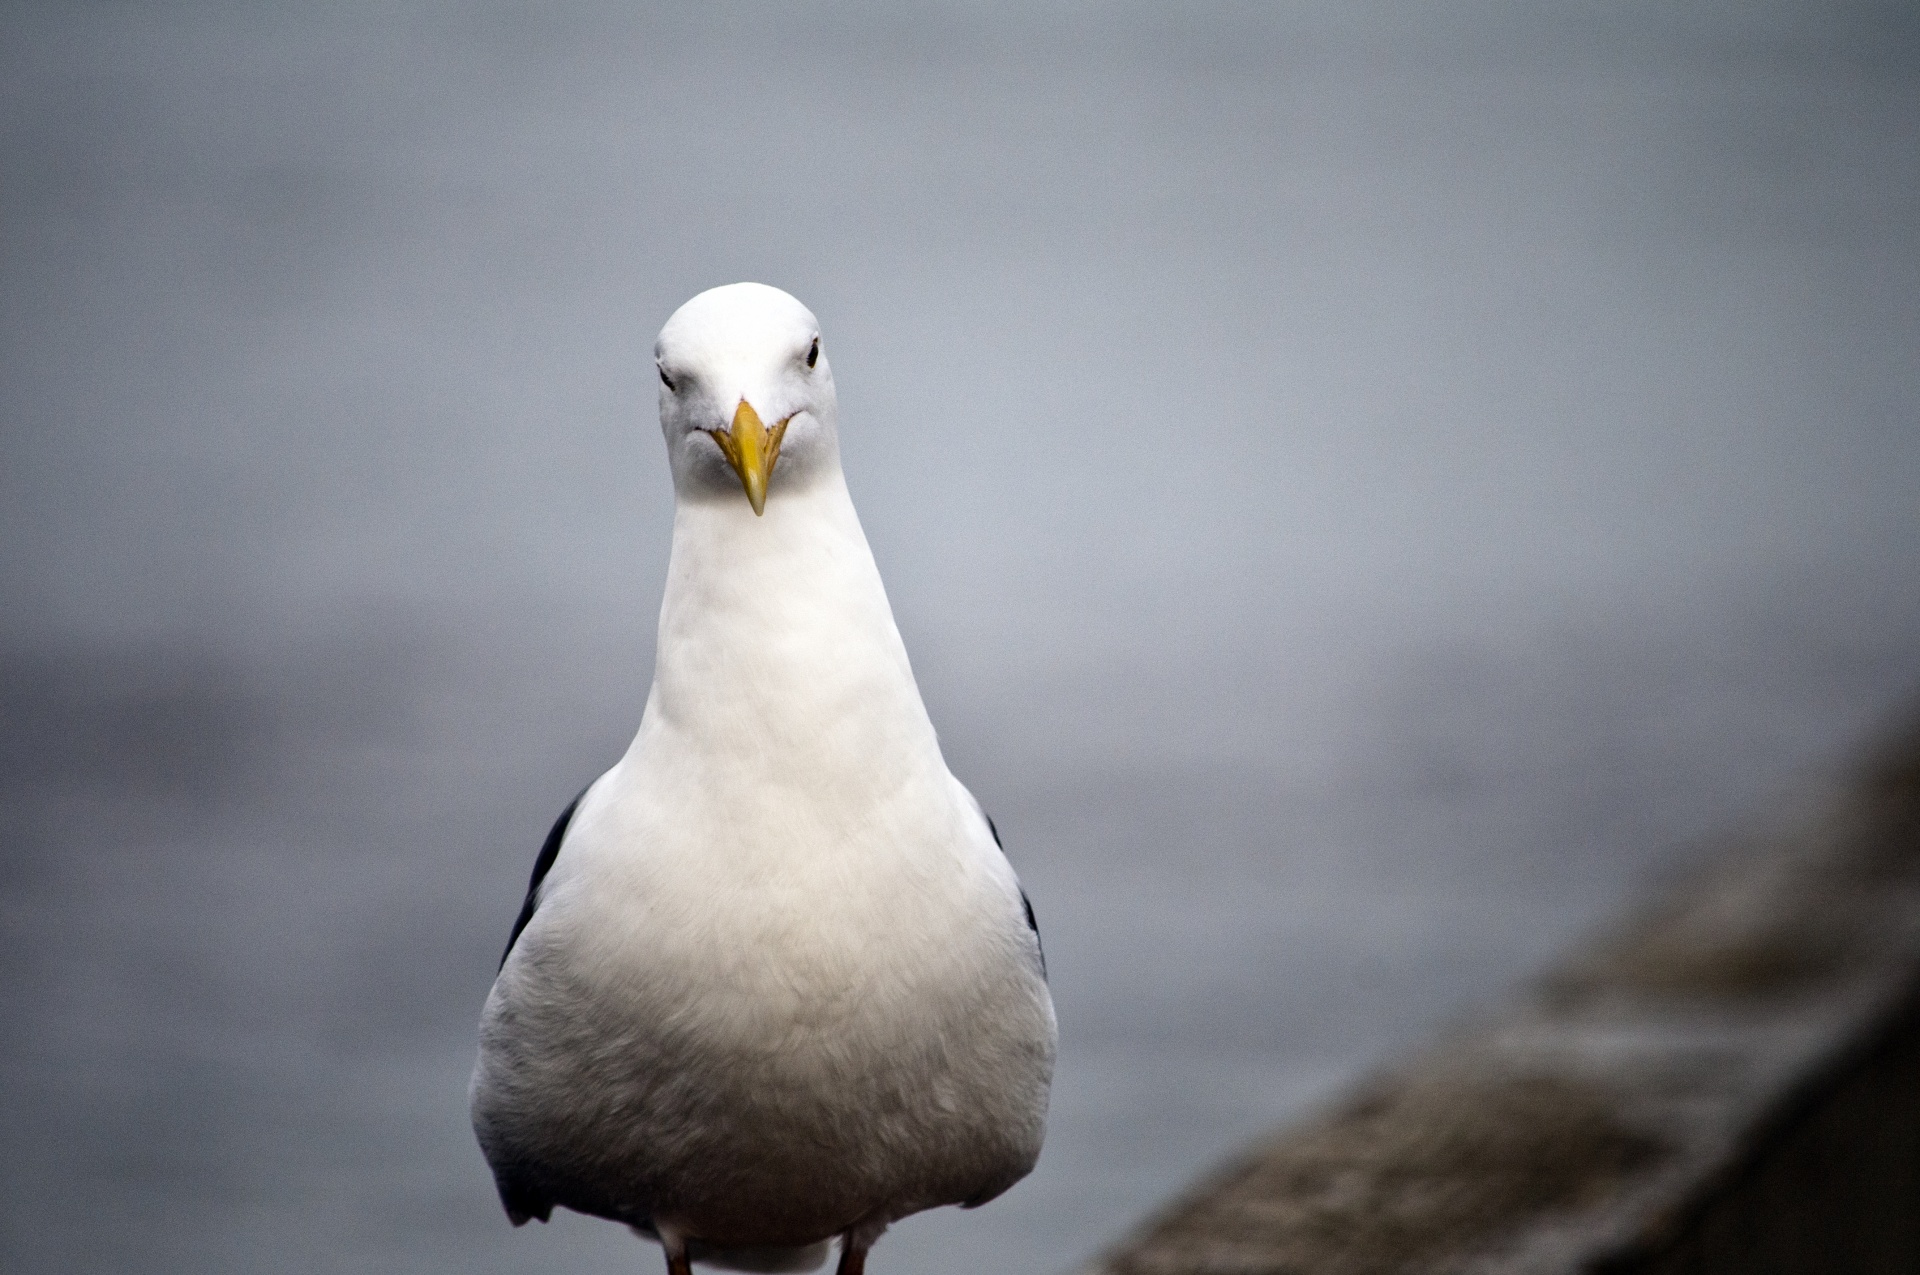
(856, 1240)
(678, 1263)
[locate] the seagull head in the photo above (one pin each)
(744, 387)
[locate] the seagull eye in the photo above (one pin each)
(664, 378)
(813, 352)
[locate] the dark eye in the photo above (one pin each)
(813, 352)
(664, 378)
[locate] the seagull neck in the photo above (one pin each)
(776, 640)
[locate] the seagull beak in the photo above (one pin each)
(751, 448)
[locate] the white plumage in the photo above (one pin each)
(779, 984)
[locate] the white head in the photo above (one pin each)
(744, 385)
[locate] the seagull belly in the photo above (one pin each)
(766, 1057)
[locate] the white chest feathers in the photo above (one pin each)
(767, 1050)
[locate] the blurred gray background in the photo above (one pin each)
(1366, 488)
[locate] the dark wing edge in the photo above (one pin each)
(1025, 903)
(549, 851)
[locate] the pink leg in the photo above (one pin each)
(856, 1240)
(853, 1256)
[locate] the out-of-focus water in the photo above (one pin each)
(1363, 489)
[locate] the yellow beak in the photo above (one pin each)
(751, 449)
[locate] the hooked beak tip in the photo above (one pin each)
(752, 449)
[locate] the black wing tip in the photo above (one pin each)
(1033, 924)
(522, 1210)
(549, 851)
(1026, 905)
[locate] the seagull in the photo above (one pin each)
(774, 983)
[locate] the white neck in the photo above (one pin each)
(778, 656)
